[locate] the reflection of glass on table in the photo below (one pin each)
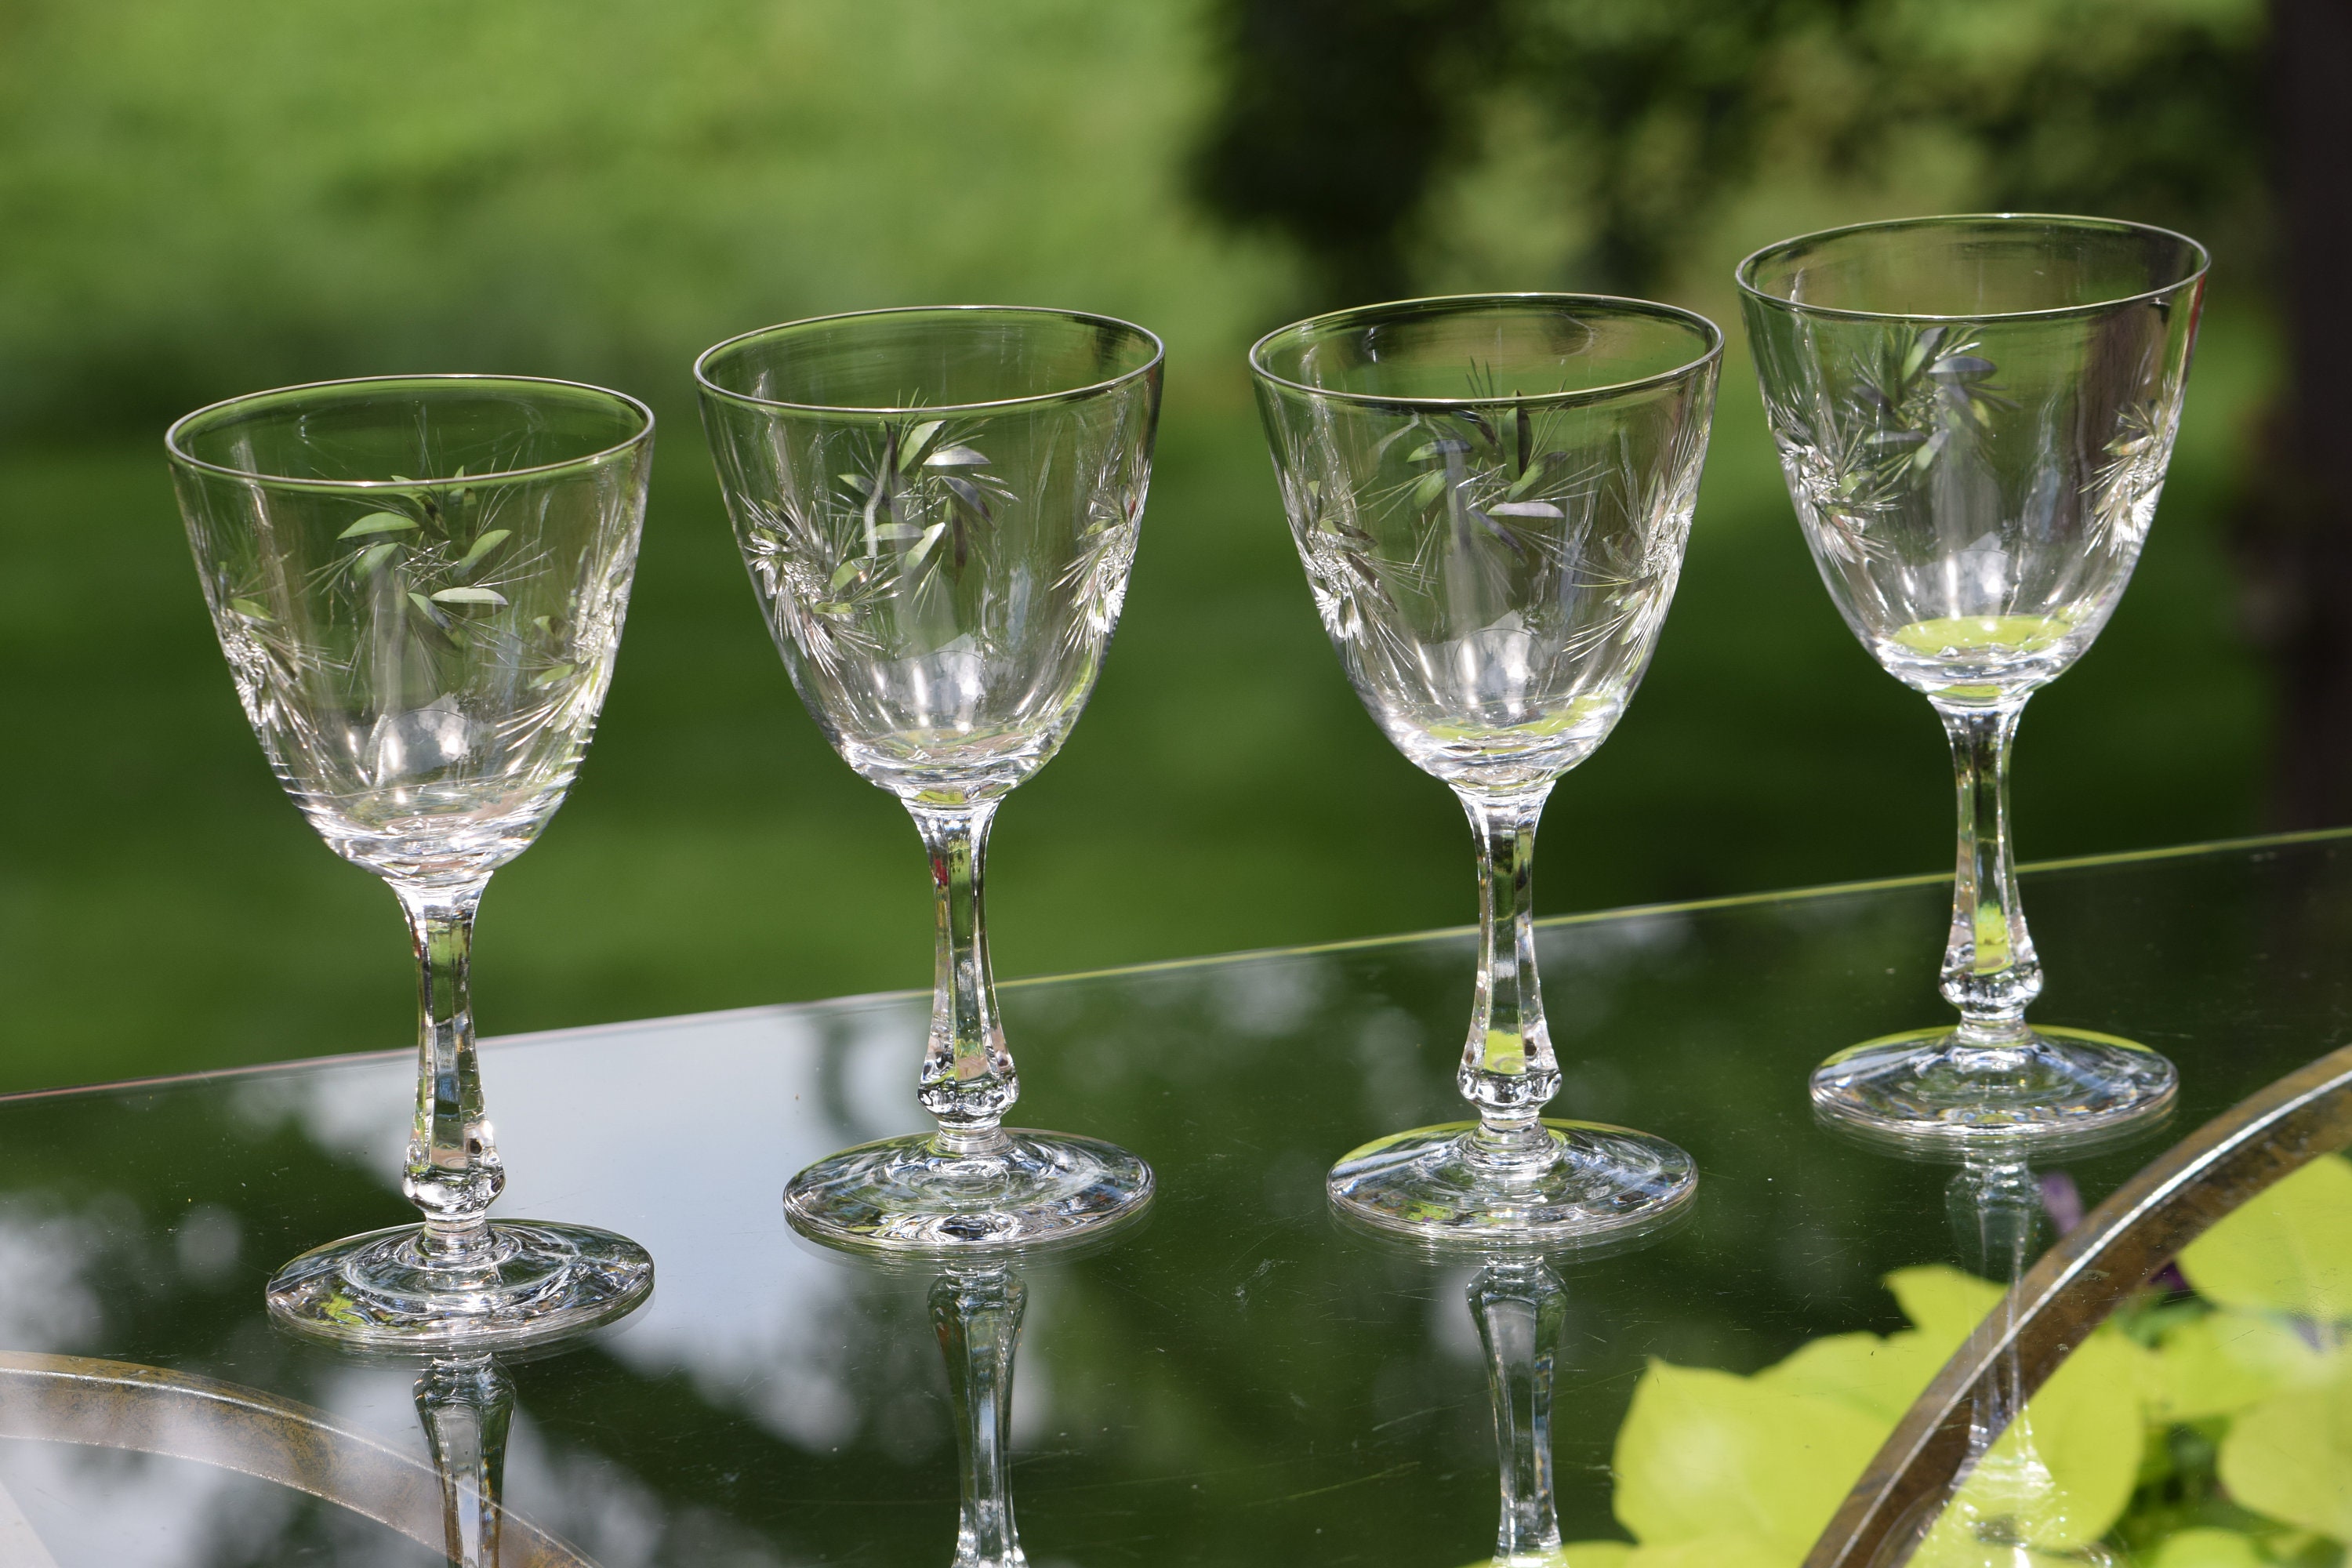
(1236, 1382)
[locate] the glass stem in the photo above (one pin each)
(1989, 969)
(1520, 1306)
(968, 1077)
(466, 1406)
(977, 1315)
(1508, 1068)
(454, 1174)
(1996, 1214)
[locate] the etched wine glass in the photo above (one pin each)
(1974, 415)
(419, 581)
(1491, 496)
(939, 507)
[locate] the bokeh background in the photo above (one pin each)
(201, 200)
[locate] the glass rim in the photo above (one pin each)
(1709, 333)
(178, 454)
(1744, 273)
(1060, 395)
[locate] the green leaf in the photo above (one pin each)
(1430, 486)
(483, 546)
(2287, 1249)
(957, 457)
(925, 546)
(377, 522)
(1942, 1302)
(1879, 1377)
(1706, 1453)
(251, 609)
(2219, 1363)
(470, 596)
(2064, 1475)
(375, 556)
(1586, 1555)
(1709, 1551)
(896, 532)
(548, 677)
(910, 450)
(843, 573)
(2291, 1458)
(421, 603)
(2209, 1549)
(1428, 450)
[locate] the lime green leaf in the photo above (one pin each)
(1878, 1377)
(375, 556)
(1707, 1552)
(2220, 1364)
(910, 451)
(420, 601)
(957, 457)
(1706, 1453)
(2209, 1549)
(377, 522)
(2061, 1477)
(489, 541)
(2291, 1458)
(470, 596)
(2288, 1249)
(548, 677)
(1946, 1304)
(1586, 1555)
(1429, 486)
(841, 573)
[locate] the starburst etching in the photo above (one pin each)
(2118, 489)
(1925, 393)
(918, 508)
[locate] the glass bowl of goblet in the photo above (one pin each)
(1490, 495)
(939, 507)
(1974, 415)
(419, 584)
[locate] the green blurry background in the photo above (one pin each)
(201, 200)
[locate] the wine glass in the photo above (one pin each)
(1974, 415)
(1491, 495)
(939, 507)
(418, 582)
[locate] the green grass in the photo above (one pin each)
(272, 193)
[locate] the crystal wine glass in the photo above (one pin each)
(1491, 496)
(419, 581)
(939, 507)
(1974, 415)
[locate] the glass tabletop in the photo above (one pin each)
(1237, 1379)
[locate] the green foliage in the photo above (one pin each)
(2214, 1433)
(2287, 1252)
(203, 202)
(1669, 112)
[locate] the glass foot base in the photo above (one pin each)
(1930, 1086)
(1431, 1182)
(911, 1194)
(536, 1281)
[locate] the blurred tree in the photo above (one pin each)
(1335, 116)
(2294, 533)
(1338, 119)
(2168, 111)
